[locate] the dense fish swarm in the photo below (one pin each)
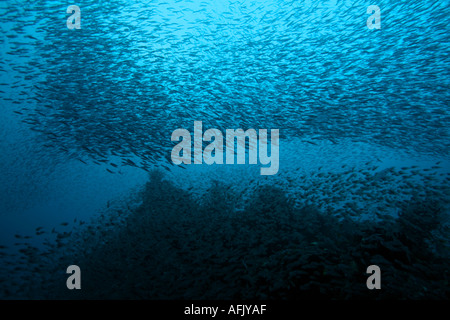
(113, 92)
(135, 72)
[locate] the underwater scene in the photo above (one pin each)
(225, 150)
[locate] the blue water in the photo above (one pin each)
(88, 114)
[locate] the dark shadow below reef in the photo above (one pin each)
(174, 247)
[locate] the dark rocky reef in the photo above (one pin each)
(174, 247)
